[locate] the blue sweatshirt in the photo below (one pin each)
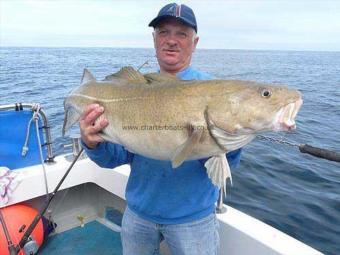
(157, 192)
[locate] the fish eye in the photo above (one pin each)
(266, 93)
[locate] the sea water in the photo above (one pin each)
(294, 192)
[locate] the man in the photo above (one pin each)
(163, 203)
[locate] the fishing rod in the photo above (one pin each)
(144, 64)
(26, 238)
(306, 148)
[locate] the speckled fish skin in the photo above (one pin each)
(156, 115)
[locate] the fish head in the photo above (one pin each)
(269, 107)
(254, 107)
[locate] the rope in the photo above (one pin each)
(25, 147)
(36, 109)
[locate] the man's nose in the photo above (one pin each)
(171, 39)
(171, 42)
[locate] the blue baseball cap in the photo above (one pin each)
(180, 12)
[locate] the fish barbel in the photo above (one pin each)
(161, 117)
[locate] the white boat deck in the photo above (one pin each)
(239, 233)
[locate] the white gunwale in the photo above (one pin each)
(239, 232)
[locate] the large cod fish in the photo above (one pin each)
(161, 117)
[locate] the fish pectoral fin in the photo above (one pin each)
(72, 116)
(185, 150)
(225, 140)
(218, 170)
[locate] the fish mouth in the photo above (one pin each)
(285, 117)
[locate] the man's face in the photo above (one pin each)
(174, 44)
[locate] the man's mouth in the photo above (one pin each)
(171, 50)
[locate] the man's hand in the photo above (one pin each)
(89, 128)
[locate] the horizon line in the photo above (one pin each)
(151, 48)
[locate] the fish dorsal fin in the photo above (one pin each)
(160, 77)
(128, 73)
(87, 76)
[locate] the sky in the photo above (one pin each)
(241, 24)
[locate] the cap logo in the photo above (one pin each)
(178, 11)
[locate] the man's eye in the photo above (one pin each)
(182, 34)
(162, 32)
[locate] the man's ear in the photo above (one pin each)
(154, 39)
(195, 43)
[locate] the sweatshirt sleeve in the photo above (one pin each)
(108, 155)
